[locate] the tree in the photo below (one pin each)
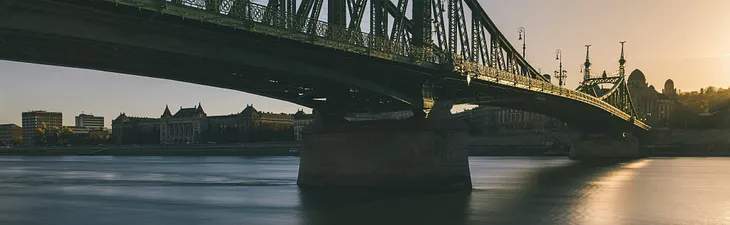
(40, 134)
(17, 141)
(64, 134)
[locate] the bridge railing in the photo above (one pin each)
(491, 74)
(251, 16)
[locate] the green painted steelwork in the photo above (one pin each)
(472, 71)
(262, 19)
(498, 62)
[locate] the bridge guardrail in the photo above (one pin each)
(491, 74)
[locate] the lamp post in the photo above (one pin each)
(560, 73)
(523, 38)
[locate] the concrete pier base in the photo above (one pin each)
(409, 154)
(605, 147)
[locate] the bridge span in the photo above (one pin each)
(418, 55)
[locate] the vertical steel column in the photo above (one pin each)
(239, 9)
(440, 24)
(452, 15)
(475, 38)
(336, 13)
(291, 7)
(281, 14)
(463, 30)
(275, 12)
(378, 18)
(291, 10)
(421, 30)
(212, 6)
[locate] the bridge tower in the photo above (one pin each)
(615, 143)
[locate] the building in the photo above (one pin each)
(259, 126)
(135, 130)
(497, 120)
(10, 134)
(38, 119)
(652, 107)
(250, 125)
(194, 126)
(301, 120)
(184, 127)
(90, 121)
(395, 115)
(78, 130)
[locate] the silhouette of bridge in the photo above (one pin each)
(335, 56)
(407, 54)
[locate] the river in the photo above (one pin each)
(75, 190)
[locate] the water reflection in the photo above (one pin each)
(546, 195)
(605, 202)
(564, 193)
(230, 190)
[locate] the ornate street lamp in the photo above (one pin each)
(523, 38)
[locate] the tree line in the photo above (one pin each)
(55, 135)
(707, 108)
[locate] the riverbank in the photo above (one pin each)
(678, 143)
(252, 149)
(249, 149)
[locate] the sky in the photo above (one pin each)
(686, 41)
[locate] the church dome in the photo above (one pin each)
(669, 85)
(669, 88)
(637, 76)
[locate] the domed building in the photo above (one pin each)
(669, 90)
(652, 107)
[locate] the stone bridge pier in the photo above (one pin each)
(416, 153)
(606, 146)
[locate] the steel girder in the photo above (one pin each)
(617, 96)
(424, 36)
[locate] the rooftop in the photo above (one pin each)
(9, 125)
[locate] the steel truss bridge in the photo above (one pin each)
(336, 56)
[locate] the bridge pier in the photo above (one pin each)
(601, 146)
(402, 154)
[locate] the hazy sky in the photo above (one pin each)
(686, 41)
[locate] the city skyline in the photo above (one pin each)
(682, 41)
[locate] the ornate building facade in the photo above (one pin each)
(301, 120)
(194, 126)
(652, 107)
(185, 127)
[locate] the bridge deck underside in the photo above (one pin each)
(584, 117)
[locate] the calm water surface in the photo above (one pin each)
(231, 190)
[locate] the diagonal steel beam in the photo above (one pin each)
(357, 11)
(398, 23)
(477, 10)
